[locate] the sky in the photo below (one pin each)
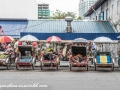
(62, 5)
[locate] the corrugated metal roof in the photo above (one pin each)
(59, 26)
(13, 27)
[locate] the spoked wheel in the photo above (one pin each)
(17, 67)
(41, 66)
(8, 63)
(70, 67)
(95, 67)
(33, 64)
(56, 66)
(113, 67)
(87, 67)
(59, 59)
(119, 62)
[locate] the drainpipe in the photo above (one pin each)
(95, 11)
(113, 26)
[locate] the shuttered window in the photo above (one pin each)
(118, 7)
(107, 14)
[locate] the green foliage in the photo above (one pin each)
(61, 15)
(79, 18)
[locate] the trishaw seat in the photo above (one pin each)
(103, 59)
(26, 57)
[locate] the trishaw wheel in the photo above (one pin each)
(70, 67)
(33, 66)
(17, 67)
(87, 67)
(33, 63)
(113, 67)
(56, 66)
(8, 63)
(119, 62)
(58, 62)
(95, 67)
(41, 66)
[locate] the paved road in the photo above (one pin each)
(63, 79)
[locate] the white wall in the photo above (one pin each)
(112, 12)
(93, 15)
(19, 9)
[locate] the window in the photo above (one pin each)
(96, 17)
(45, 7)
(107, 14)
(39, 7)
(102, 16)
(99, 16)
(112, 11)
(118, 7)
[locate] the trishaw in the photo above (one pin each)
(118, 58)
(50, 60)
(81, 54)
(6, 59)
(26, 57)
(103, 60)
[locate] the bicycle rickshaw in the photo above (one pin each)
(50, 60)
(103, 60)
(118, 58)
(26, 57)
(81, 54)
(7, 58)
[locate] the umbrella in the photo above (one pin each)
(103, 40)
(28, 38)
(11, 38)
(4, 39)
(53, 39)
(34, 44)
(80, 40)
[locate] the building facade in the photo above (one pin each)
(18, 9)
(106, 10)
(43, 11)
(84, 5)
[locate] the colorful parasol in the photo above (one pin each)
(53, 39)
(4, 39)
(34, 44)
(11, 38)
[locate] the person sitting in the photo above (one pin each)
(9, 49)
(27, 53)
(80, 57)
(75, 59)
(68, 54)
(1, 48)
(49, 55)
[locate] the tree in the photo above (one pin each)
(79, 18)
(58, 15)
(61, 15)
